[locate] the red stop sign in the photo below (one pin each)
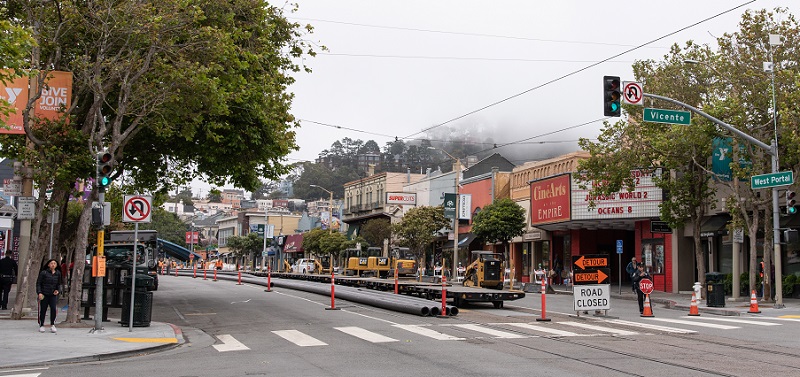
(646, 286)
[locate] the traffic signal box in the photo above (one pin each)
(790, 202)
(104, 168)
(611, 96)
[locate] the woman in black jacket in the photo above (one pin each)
(47, 287)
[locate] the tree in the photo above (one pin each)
(419, 227)
(499, 222)
(246, 247)
(215, 195)
(377, 230)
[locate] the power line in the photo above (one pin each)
(576, 71)
(461, 58)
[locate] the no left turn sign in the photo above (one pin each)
(632, 93)
(136, 209)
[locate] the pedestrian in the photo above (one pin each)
(557, 269)
(637, 277)
(8, 274)
(631, 269)
(47, 289)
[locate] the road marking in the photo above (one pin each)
(492, 332)
(424, 331)
(365, 334)
(23, 375)
(748, 322)
(691, 323)
(299, 338)
(600, 328)
(651, 327)
(148, 340)
(789, 316)
(530, 326)
(229, 344)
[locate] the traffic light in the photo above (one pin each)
(104, 169)
(611, 96)
(790, 202)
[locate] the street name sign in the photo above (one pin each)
(591, 297)
(667, 116)
(783, 178)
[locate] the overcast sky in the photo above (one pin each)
(397, 67)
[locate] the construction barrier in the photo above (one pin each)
(648, 311)
(693, 309)
(443, 313)
(240, 278)
(544, 303)
(269, 280)
(204, 274)
(753, 303)
(333, 296)
(194, 274)
(215, 274)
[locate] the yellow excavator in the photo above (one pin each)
(486, 271)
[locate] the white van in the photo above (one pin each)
(303, 266)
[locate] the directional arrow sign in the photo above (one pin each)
(590, 261)
(592, 277)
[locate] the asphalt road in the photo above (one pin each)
(235, 330)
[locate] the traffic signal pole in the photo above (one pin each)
(772, 150)
(98, 295)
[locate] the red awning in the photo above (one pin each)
(293, 244)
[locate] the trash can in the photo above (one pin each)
(143, 302)
(715, 290)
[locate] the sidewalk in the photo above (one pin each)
(682, 301)
(23, 345)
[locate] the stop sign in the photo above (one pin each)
(646, 286)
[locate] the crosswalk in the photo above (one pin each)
(389, 333)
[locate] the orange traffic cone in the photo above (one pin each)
(693, 310)
(648, 312)
(753, 303)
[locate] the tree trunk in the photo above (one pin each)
(29, 269)
(699, 253)
(79, 259)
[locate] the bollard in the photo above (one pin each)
(204, 274)
(194, 276)
(396, 288)
(269, 279)
(333, 297)
(215, 274)
(544, 303)
(176, 271)
(240, 278)
(444, 295)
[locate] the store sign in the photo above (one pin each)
(401, 198)
(643, 201)
(550, 200)
(465, 206)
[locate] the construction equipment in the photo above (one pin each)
(370, 262)
(358, 261)
(322, 265)
(486, 271)
(403, 259)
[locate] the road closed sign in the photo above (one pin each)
(592, 297)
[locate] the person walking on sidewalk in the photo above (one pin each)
(631, 269)
(8, 273)
(47, 288)
(637, 277)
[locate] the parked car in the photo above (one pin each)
(303, 266)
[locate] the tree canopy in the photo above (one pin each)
(419, 227)
(500, 221)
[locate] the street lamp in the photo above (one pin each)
(330, 207)
(457, 169)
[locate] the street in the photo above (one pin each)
(238, 330)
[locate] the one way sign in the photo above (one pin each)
(136, 209)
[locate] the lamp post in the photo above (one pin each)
(330, 207)
(455, 218)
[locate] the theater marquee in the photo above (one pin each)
(550, 200)
(642, 202)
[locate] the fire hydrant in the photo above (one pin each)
(698, 290)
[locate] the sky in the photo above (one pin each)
(516, 70)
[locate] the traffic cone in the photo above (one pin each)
(693, 310)
(648, 312)
(753, 303)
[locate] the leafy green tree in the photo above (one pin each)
(499, 222)
(245, 247)
(333, 244)
(312, 240)
(419, 228)
(377, 230)
(215, 195)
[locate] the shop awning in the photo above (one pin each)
(464, 240)
(715, 225)
(293, 244)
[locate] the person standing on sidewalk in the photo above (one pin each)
(8, 273)
(637, 277)
(47, 288)
(631, 269)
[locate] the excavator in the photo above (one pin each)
(485, 271)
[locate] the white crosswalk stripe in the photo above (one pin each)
(488, 331)
(693, 323)
(424, 331)
(23, 375)
(540, 328)
(742, 321)
(299, 338)
(229, 343)
(653, 327)
(365, 334)
(600, 328)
